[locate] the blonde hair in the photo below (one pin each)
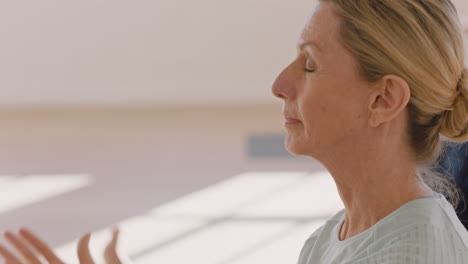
(420, 41)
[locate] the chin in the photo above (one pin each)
(295, 149)
(299, 148)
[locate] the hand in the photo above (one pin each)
(84, 255)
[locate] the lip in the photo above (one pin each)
(291, 121)
(289, 117)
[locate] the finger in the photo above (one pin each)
(22, 248)
(110, 253)
(40, 246)
(83, 250)
(8, 256)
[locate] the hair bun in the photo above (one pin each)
(454, 123)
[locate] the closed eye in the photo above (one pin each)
(307, 67)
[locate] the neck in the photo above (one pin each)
(365, 209)
(372, 188)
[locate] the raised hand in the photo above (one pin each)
(26, 239)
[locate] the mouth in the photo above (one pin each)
(289, 118)
(290, 121)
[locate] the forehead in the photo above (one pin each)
(321, 27)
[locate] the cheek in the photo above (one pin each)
(330, 116)
(317, 112)
(331, 107)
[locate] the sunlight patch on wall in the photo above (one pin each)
(16, 192)
(254, 217)
(230, 195)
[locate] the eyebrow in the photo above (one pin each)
(308, 43)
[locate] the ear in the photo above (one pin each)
(388, 99)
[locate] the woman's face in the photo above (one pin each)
(323, 90)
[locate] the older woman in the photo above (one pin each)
(374, 85)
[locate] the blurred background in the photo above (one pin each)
(158, 117)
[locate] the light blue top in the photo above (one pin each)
(423, 231)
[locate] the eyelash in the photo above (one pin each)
(305, 68)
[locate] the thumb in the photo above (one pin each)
(110, 253)
(84, 255)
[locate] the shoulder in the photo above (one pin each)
(408, 251)
(426, 231)
(424, 219)
(418, 243)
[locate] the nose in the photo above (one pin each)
(282, 87)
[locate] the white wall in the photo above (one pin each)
(150, 52)
(147, 52)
